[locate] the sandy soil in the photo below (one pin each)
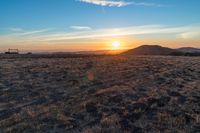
(100, 94)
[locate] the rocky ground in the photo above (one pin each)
(156, 94)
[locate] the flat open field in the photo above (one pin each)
(108, 94)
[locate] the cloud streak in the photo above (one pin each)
(119, 3)
(182, 32)
(106, 2)
(80, 28)
(190, 35)
(146, 4)
(116, 32)
(32, 32)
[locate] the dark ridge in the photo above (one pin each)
(189, 50)
(159, 50)
(150, 50)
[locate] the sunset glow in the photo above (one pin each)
(97, 23)
(116, 44)
(95, 66)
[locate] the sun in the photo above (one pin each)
(116, 44)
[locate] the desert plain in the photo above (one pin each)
(100, 94)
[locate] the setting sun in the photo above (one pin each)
(116, 44)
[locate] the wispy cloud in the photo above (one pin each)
(22, 35)
(119, 3)
(190, 35)
(147, 4)
(107, 2)
(16, 29)
(80, 27)
(115, 32)
(29, 33)
(33, 32)
(43, 36)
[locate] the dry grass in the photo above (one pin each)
(100, 94)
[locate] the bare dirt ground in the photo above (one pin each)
(110, 94)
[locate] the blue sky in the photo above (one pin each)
(24, 23)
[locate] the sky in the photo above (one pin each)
(76, 25)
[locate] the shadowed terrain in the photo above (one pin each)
(150, 50)
(100, 94)
(159, 50)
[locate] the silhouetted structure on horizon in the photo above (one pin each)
(12, 51)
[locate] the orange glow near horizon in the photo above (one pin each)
(115, 43)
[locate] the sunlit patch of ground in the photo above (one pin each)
(100, 94)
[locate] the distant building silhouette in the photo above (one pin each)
(12, 51)
(29, 53)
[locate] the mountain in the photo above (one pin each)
(189, 50)
(151, 50)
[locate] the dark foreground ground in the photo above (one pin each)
(156, 94)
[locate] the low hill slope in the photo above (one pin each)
(150, 50)
(189, 50)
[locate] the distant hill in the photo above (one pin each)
(189, 50)
(101, 52)
(150, 50)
